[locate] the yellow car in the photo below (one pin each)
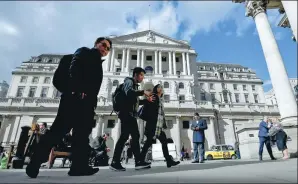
(221, 152)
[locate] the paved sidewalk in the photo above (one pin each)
(225, 171)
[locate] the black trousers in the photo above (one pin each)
(148, 143)
(129, 125)
(73, 113)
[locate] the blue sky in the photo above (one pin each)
(218, 31)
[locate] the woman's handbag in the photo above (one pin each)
(143, 114)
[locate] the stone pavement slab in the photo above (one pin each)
(226, 171)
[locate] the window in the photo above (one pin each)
(44, 92)
(177, 72)
(164, 72)
(253, 87)
(163, 58)
(240, 77)
(177, 59)
(244, 87)
(185, 124)
(20, 91)
(118, 70)
(35, 80)
(225, 148)
(181, 85)
(215, 148)
(111, 123)
(23, 79)
(119, 56)
(202, 85)
(134, 57)
(149, 58)
(166, 98)
(225, 96)
(211, 85)
(235, 86)
(166, 85)
(246, 98)
(50, 61)
(203, 97)
(32, 92)
(251, 135)
(256, 98)
(181, 98)
(213, 97)
(237, 98)
(115, 83)
(223, 85)
(57, 94)
(38, 61)
(47, 80)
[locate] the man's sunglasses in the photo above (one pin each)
(105, 46)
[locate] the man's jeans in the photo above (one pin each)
(199, 147)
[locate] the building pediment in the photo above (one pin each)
(150, 37)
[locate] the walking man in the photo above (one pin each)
(264, 138)
(76, 110)
(128, 117)
(199, 126)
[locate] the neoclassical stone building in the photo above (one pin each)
(229, 96)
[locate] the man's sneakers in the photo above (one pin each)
(142, 165)
(116, 166)
(83, 172)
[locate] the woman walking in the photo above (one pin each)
(153, 114)
(280, 137)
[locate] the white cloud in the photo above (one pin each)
(8, 29)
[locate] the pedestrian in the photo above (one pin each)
(264, 138)
(128, 118)
(199, 126)
(280, 137)
(76, 110)
(155, 125)
(43, 128)
(237, 150)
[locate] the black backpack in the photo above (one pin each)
(61, 75)
(118, 99)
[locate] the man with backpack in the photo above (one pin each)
(79, 79)
(126, 102)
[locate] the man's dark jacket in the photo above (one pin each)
(132, 102)
(86, 72)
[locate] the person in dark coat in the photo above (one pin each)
(155, 125)
(76, 110)
(265, 139)
(198, 126)
(280, 137)
(128, 119)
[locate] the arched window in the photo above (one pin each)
(115, 83)
(50, 61)
(149, 69)
(181, 85)
(166, 85)
(38, 61)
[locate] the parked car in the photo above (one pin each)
(221, 152)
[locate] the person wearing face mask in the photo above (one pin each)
(155, 126)
(76, 110)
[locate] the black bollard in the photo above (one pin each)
(18, 161)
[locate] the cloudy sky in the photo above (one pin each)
(218, 31)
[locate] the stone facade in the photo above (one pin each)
(228, 96)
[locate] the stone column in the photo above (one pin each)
(128, 60)
(108, 62)
(112, 60)
(138, 57)
(160, 63)
(155, 63)
(280, 81)
(170, 63)
(187, 63)
(178, 144)
(142, 61)
(174, 63)
(184, 64)
(212, 131)
(123, 60)
(291, 11)
(100, 121)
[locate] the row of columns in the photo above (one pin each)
(125, 62)
(277, 71)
